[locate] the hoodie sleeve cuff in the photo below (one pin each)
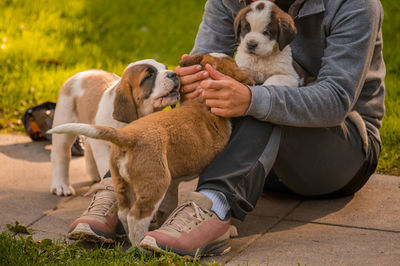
(260, 105)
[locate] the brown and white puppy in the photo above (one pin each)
(264, 32)
(150, 152)
(102, 98)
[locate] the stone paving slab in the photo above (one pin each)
(249, 231)
(293, 243)
(25, 178)
(270, 209)
(56, 222)
(276, 205)
(376, 205)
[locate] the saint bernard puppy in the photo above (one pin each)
(151, 153)
(102, 98)
(264, 32)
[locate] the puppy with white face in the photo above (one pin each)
(159, 88)
(102, 98)
(264, 33)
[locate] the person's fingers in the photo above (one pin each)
(215, 74)
(184, 71)
(214, 103)
(191, 87)
(215, 94)
(188, 79)
(210, 84)
(220, 112)
(192, 95)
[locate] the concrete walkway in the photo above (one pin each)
(363, 229)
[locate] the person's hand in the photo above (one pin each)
(191, 77)
(224, 95)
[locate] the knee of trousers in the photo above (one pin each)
(316, 162)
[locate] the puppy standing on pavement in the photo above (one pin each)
(265, 32)
(102, 98)
(149, 153)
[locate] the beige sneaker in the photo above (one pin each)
(99, 223)
(192, 229)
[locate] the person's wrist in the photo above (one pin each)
(260, 105)
(249, 99)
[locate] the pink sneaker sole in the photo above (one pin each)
(211, 249)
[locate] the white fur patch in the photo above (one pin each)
(137, 228)
(219, 55)
(146, 108)
(76, 88)
(123, 172)
(75, 128)
(105, 109)
(101, 148)
(259, 19)
(152, 62)
(123, 217)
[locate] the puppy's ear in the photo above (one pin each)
(124, 104)
(191, 60)
(287, 30)
(238, 21)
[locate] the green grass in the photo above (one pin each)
(84, 34)
(390, 131)
(18, 250)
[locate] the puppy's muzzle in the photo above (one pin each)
(176, 81)
(251, 46)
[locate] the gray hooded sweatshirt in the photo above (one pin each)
(339, 42)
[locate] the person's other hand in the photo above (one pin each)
(224, 95)
(191, 77)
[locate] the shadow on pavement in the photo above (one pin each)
(263, 216)
(32, 151)
(29, 151)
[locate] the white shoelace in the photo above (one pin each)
(103, 200)
(184, 214)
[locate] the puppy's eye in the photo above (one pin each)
(271, 32)
(148, 76)
(247, 27)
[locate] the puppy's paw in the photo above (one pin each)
(191, 60)
(62, 189)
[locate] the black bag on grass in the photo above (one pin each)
(38, 119)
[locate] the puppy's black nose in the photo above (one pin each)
(251, 45)
(171, 75)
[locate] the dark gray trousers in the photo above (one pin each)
(310, 162)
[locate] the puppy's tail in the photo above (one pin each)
(111, 134)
